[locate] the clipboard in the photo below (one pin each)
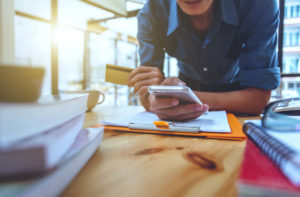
(235, 134)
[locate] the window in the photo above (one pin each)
(285, 39)
(292, 11)
(298, 11)
(33, 46)
(40, 9)
(83, 49)
(291, 52)
(99, 57)
(290, 85)
(70, 58)
(291, 64)
(292, 39)
(297, 39)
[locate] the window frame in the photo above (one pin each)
(53, 21)
(283, 8)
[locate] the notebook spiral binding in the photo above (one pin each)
(275, 150)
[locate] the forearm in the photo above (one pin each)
(249, 101)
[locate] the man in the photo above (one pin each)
(226, 52)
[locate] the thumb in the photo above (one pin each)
(173, 81)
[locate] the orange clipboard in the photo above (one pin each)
(235, 126)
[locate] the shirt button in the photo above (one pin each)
(205, 69)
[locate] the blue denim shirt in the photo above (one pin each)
(240, 44)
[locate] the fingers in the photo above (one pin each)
(173, 81)
(186, 116)
(143, 90)
(144, 76)
(147, 82)
(143, 69)
(162, 103)
(171, 109)
(141, 76)
(179, 109)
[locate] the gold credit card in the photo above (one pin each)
(117, 74)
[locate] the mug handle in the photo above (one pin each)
(103, 97)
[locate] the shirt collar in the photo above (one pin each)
(173, 18)
(229, 14)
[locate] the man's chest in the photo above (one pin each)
(216, 47)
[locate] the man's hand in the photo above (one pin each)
(172, 109)
(144, 76)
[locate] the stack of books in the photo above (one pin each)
(43, 145)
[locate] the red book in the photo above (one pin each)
(259, 176)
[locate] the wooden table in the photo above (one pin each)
(132, 165)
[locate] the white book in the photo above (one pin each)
(22, 120)
(40, 153)
(56, 181)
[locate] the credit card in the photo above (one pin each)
(117, 74)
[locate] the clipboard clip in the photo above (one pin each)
(163, 126)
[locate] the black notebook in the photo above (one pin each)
(283, 148)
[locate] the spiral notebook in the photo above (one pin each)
(259, 176)
(283, 148)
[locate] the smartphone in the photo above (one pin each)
(183, 93)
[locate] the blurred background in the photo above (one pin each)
(74, 40)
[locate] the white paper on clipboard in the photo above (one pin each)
(214, 121)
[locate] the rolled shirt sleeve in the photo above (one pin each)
(258, 60)
(150, 36)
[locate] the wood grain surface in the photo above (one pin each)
(145, 165)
